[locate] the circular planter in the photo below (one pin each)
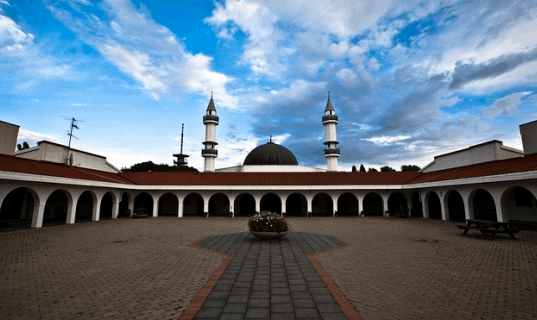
(269, 235)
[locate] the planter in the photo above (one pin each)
(269, 235)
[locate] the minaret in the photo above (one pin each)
(210, 120)
(181, 158)
(331, 153)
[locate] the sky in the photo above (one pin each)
(408, 79)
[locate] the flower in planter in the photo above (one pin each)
(267, 221)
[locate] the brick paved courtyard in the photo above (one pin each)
(145, 269)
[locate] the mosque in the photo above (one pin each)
(54, 184)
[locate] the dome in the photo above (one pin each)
(270, 154)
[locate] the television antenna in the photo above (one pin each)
(74, 125)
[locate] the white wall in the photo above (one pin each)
(271, 168)
(8, 138)
(485, 152)
(52, 152)
(528, 131)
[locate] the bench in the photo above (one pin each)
(511, 232)
(467, 227)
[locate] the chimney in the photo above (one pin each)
(528, 132)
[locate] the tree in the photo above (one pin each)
(353, 169)
(410, 167)
(386, 169)
(372, 170)
(362, 168)
(25, 145)
(150, 166)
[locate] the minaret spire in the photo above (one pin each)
(209, 152)
(330, 120)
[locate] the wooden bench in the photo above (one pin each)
(511, 232)
(467, 227)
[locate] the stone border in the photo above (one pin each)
(344, 303)
(193, 307)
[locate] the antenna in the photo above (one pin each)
(182, 131)
(74, 125)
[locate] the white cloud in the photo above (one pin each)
(386, 140)
(373, 64)
(144, 50)
(36, 136)
(12, 38)
(506, 106)
(450, 102)
(79, 104)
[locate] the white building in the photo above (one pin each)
(487, 181)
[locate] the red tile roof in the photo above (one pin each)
(269, 178)
(20, 165)
(13, 164)
(527, 163)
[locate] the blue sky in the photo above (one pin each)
(408, 79)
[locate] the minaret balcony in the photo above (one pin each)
(330, 142)
(209, 153)
(214, 143)
(330, 118)
(334, 151)
(210, 119)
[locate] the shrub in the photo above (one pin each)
(267, 221)
(140, 211)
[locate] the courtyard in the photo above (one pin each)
(147, 269)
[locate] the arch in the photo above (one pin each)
(396, 201)
(144, 201)
(454, 204)
(433, 205)
(322, 205)
(271, 202)
(296, 204)
(18, 208)
(57, 205)
(218, 205)
(193, 205)
(168, 205)
(84, 206)
(483, 205)
(107, 206)
(347, 204)
(519, 204)
(373, 204)
(417, 207)
(124, 206)
(244, 205)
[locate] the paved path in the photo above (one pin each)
(270, 279)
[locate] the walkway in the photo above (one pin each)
(270, 279)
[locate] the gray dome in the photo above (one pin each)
(270, 154)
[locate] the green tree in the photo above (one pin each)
(386, 169)
(150, 166)
(410, 167)
(353, 169)
(372, 170)
(362, 168)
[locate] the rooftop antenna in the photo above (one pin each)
(74, 125)
(270, 139)
(182, 132)
(181, 160)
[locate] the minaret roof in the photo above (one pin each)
(211, 106)
(329, 106)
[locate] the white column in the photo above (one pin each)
(468, 210)
(443, 206)
(155, 207)
(71, 211)
(424, 206)
(37, 219)
(310, 205)
(334, 202)
(115, 208)
(96, 210)
(500, 215)
(131, 204)
(385, 206)
(360, 204)
(232, 205)
(257, 204)
(206, 205)
(180, 207)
